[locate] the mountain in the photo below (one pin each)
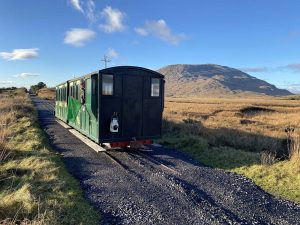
(214, 80)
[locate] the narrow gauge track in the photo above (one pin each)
(162, 186)
(115, 160)
(139, 152)
(162, 174)
(138, 155)
(142, 166)
(134, 163)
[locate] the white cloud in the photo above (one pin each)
(79, 36)
(86, 7)
(161, 30)
(254, 69)
(113, 20)
(76, 5)
(141, 31)
(295, 67)
(6, 82)
(112, 54)
(20, 54)
(90, 11)
(24, 75)
(292, 87)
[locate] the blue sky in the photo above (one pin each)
(52, 41)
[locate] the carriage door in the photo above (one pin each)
(132, 106)
(91, 111)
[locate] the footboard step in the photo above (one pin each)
(83, 138)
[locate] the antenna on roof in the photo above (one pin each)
(105, 60)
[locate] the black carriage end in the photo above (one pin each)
(114, 105)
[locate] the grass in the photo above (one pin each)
(35, 187)
(191, 138)
(281, 178)
(46, 93)
(292, 97)
(258, 138)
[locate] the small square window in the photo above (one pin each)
(107, 84)
(155, 87)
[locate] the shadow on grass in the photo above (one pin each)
(222, 148)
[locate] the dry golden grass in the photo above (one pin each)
(8, 115)
(294, 153)
(258, 137)
(255, 124)
(46, 93)
(35, 187)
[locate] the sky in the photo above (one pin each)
(53, 41)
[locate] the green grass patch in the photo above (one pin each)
(281, 179)
(217, 157)
(34, 183)
(189, 138)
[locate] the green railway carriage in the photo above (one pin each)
(116, 105)
(61, 103)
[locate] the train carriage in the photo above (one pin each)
(116, 105)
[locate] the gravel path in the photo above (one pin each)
(162, 186)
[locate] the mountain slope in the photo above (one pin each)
(216, 80)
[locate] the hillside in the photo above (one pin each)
(214, 80)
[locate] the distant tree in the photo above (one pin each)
(35, 88)
(41, 85)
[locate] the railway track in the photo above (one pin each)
(47, 105)
(162, 173)
(115, 160)
(139, 152)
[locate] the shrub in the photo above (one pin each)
(294, 153)
(268, 157)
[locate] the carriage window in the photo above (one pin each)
(76, 92)
(107, 85)
(65, 93)
(95, 95)
(155, 87)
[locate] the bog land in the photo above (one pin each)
(258, 138)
